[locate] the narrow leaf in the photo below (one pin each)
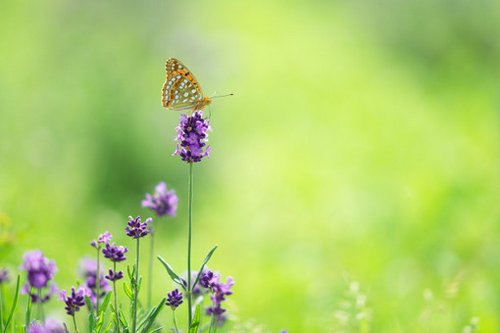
(203, 263)
(173, 275)
(128, 291)
(195, 324)
(14, 303)
(152, 316)
(105, 304)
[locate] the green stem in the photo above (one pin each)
(190, 215)
(97, 282)
(28, 311)
(136, 283)
(213, 326)
(1, 308)
(175, 323)
(116, 302)
(74, 324)
(150, 268)
(41, 315)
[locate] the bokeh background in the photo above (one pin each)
(354, 181)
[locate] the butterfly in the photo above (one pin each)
(181, 90)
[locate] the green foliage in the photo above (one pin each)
(173, 275)
(203, 264)
(195, 325)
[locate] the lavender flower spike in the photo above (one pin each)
(192, 137)
(174, 299)
(40, 269)
(163, 202)
(114, 252)
(74, 301)
(103, 238)
(136, 228)
(114, 276)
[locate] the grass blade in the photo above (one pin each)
(204, 262)
(14, 303)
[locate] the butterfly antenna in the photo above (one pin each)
(222, 96)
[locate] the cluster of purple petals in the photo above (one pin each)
(136, 228)
(218, 293)
(114, 252)
(50, 326)
(114, 276)
(174, 299)
(162, 202)
(74, 301)
(40, 269)
(88, 269)
(103, 238)
(206, 278)
(192, 137)
(4, 276)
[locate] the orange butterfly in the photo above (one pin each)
(181, 91)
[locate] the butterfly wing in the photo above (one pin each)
(181, 90)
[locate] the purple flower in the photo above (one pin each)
(136, 228)
(50, 326)
(174, 299)
(74, 301)
(4, 276)
(206, 278)
(192, 137)
(40, 269)
(163, 202)
(219, 291)
(114, 276)
(114, 252)
(103, 238)
(88, 269)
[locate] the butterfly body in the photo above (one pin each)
(181, 90)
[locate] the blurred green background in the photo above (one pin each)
(354, 181)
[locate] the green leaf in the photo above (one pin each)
(195, 324)
(123, 322)
(90, 306)
(99, 323)
(92, 317)
(157, 329)
(204, 262)
(128, 291)
(14, 303)
(173, 275)
(151, 317)
(105, 304)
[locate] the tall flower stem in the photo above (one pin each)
(41, 315)
(213, 326)
(175, 323)
(190, 216)
(116, 302)
(97, 282)
(150, 268)
(136, 283)
(74, 324)
(28, 311)
(1, 307)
